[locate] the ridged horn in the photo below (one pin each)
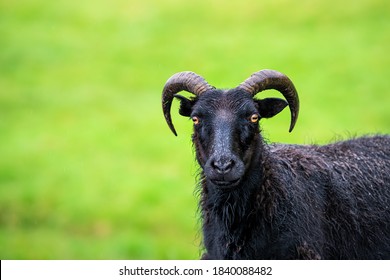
(271, 79)
(188, 81)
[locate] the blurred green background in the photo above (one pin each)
(88, 167)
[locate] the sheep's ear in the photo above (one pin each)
(270, 107)
(185, 105)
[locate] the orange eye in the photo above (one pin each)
(254, 118)
(195, 120)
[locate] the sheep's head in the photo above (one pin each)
(226, 121)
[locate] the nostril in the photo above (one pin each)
(229, 165)
(222, 166)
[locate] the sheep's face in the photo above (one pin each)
(226, 130)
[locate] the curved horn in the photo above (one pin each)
(271, 79)
(188, 81)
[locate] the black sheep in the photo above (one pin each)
(277, 201)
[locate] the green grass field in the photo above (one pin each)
(88, 167)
